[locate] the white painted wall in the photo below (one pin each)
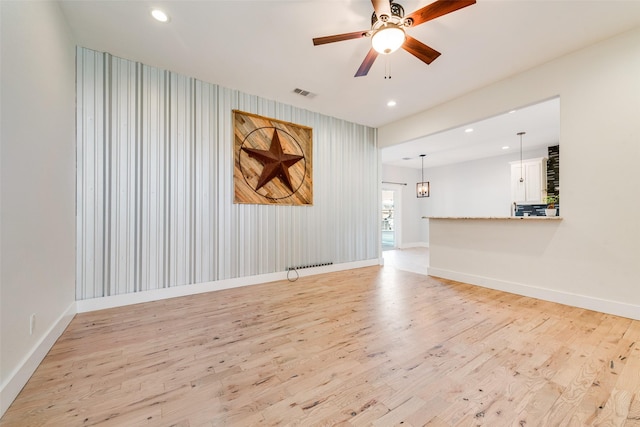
(38, 186)
(593, 253)
(476, 188)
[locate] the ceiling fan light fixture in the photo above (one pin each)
(387, 31)
(388, 38)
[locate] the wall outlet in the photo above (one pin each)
(32, 323)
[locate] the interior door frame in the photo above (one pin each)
(397, 211)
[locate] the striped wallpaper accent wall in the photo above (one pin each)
(155, 185)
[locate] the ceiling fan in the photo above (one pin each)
(388, 34)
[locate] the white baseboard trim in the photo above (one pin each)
(17, 379)
(414, 245)
(575, 300)
(84, 306)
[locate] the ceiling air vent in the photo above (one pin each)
(304, 93)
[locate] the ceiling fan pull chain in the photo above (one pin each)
(387, 68)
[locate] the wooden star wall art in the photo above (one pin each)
(273, 161)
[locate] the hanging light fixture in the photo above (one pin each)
(422, 188)
(388, 38)
(388, 31)
(520, 135)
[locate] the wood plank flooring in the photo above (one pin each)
(374, 346)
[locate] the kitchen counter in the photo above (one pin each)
(496, 252)
(535, 218)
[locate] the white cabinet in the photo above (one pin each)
(529, 182)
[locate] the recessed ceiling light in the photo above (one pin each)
(468, 130)
(159, 15)
(391, 103)
(506, 147)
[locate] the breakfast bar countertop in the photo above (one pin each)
(496, 217)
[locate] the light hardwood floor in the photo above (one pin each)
(414, 259)
(372, 346)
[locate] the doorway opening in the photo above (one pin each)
(388, 220)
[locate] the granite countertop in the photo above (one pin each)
(535, 218)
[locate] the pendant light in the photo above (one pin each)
(422, 188)
(520, 134)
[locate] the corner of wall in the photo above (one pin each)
(17, 379)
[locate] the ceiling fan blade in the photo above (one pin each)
(367, 63)
(382, 7)
(339, 37)
(436, 9)
(420, 50)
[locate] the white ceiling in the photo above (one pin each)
(540, 122)
(264, 47)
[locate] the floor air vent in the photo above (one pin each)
(300, 267)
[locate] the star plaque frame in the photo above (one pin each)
(272, 161)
